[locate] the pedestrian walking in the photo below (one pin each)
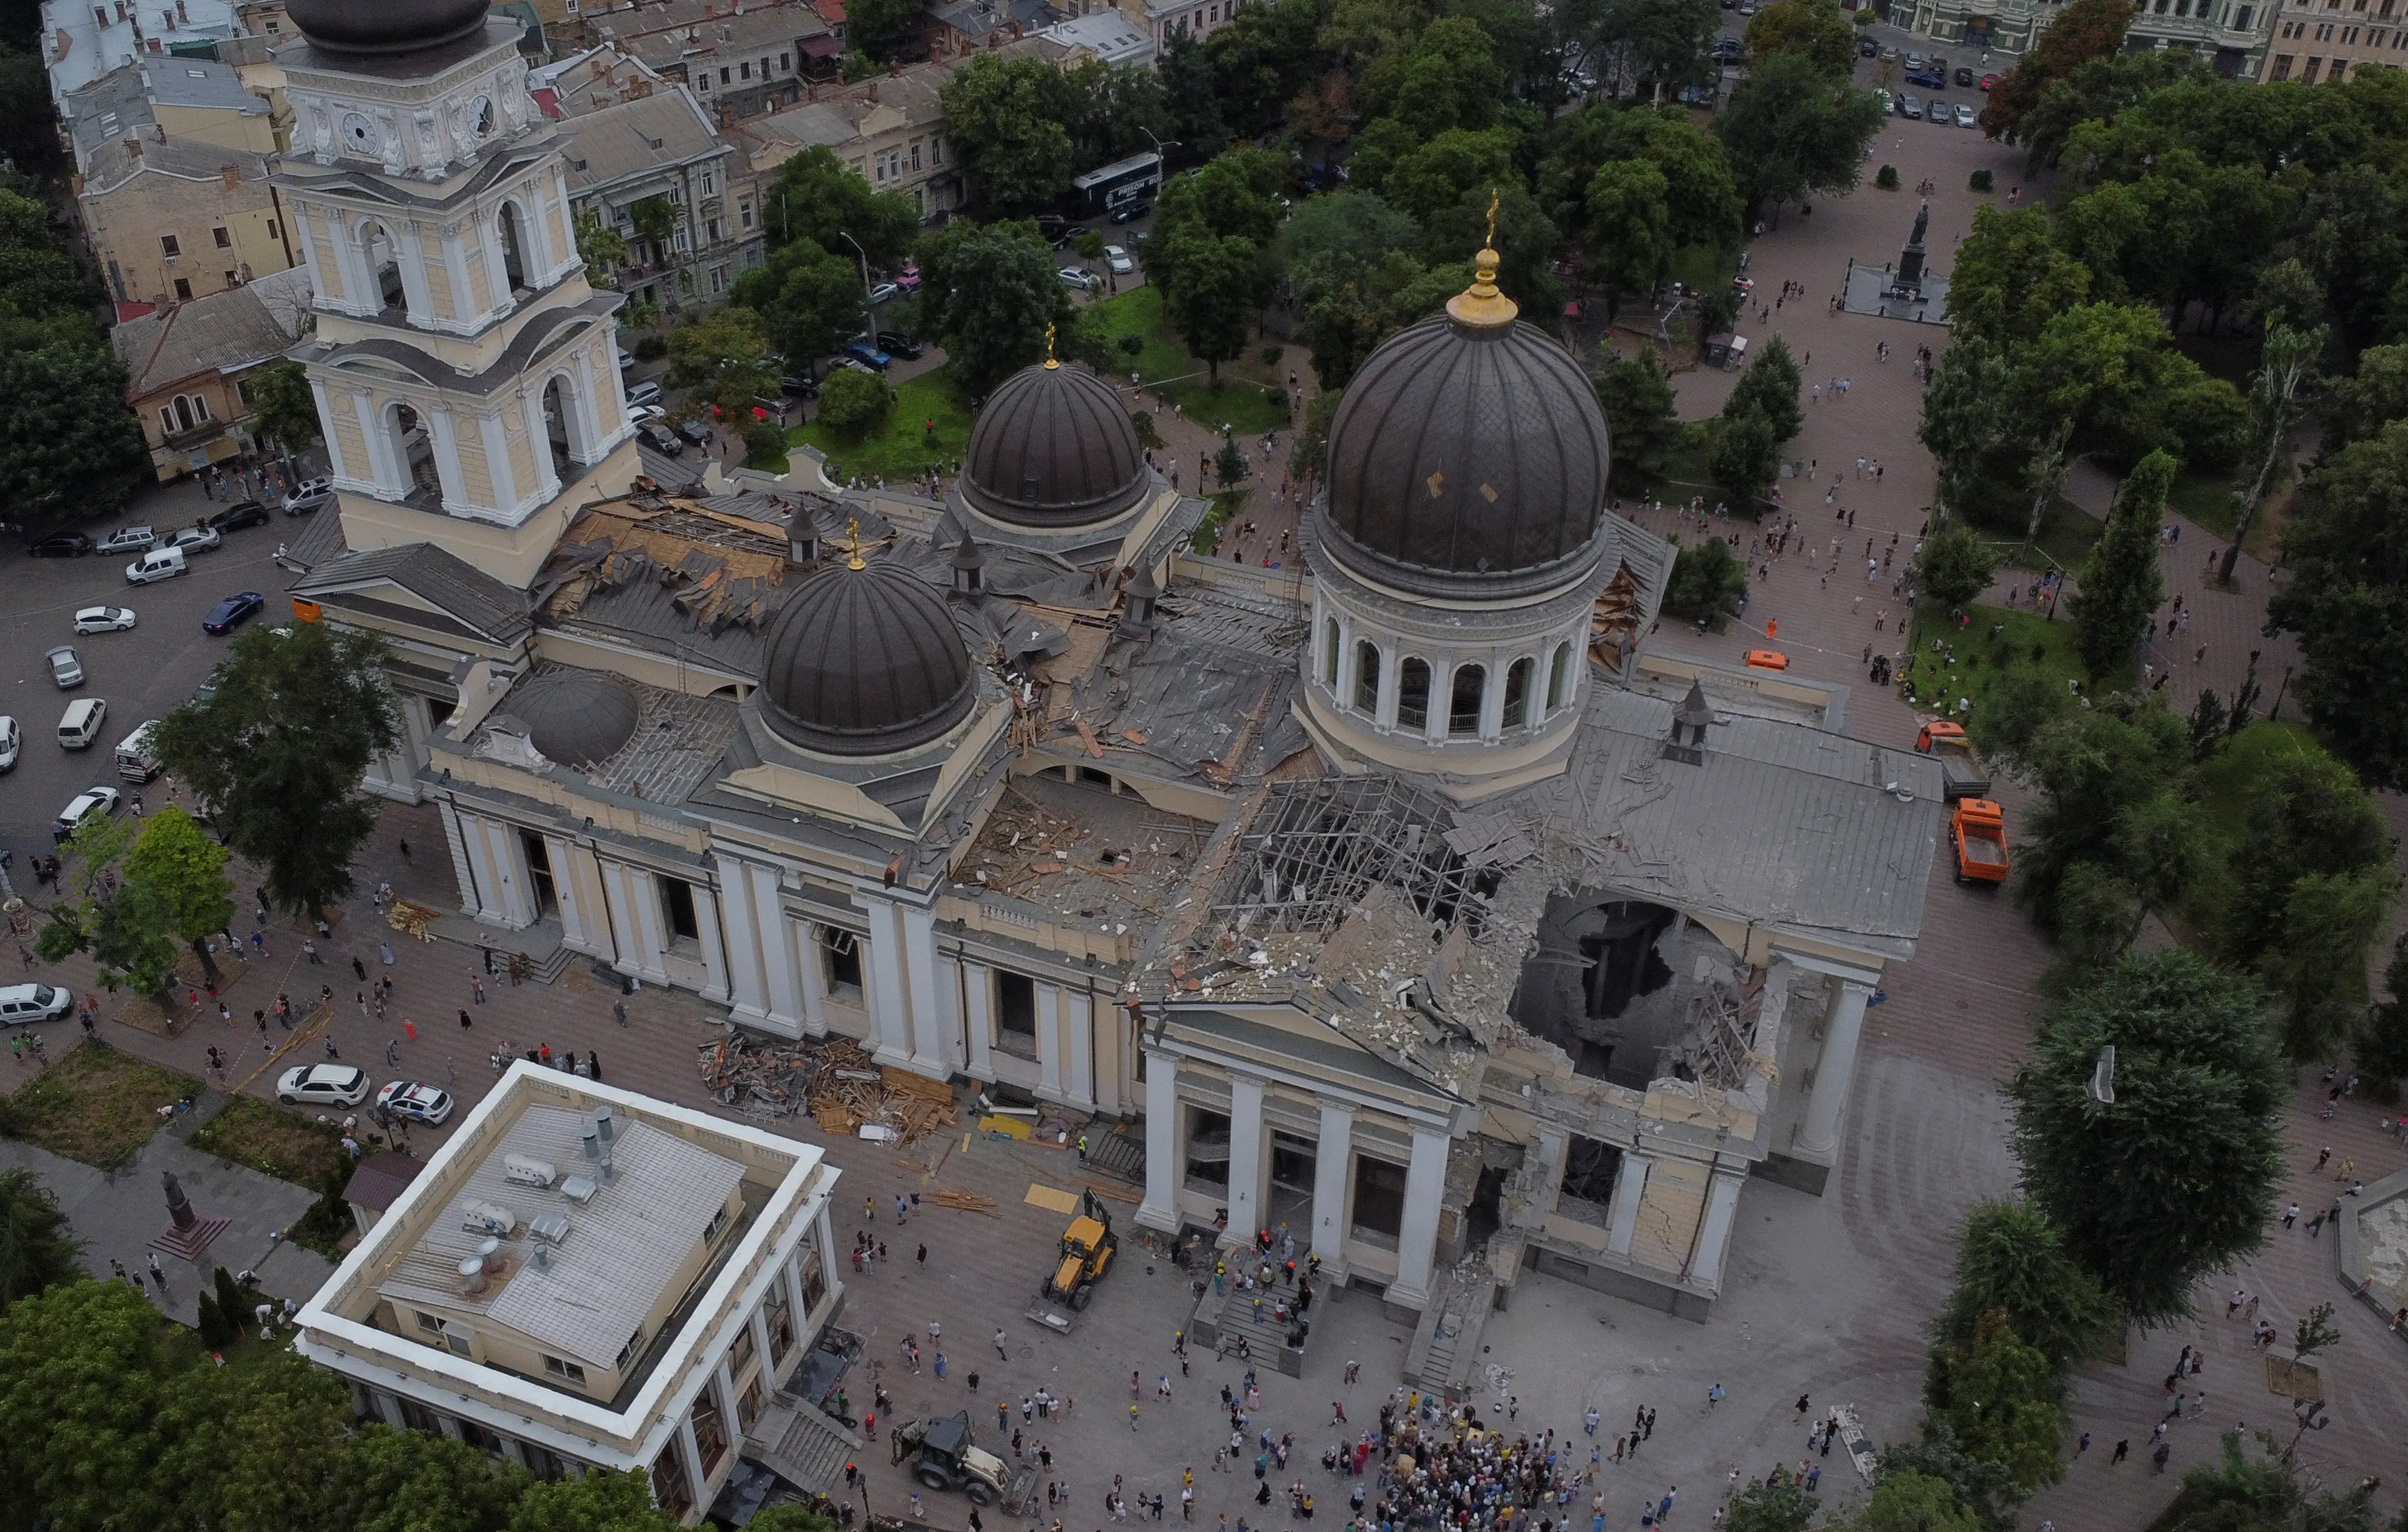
(477, 987)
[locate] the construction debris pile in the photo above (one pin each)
(834, 1080)
(411, 917)
(1081, 853)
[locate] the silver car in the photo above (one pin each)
(1966, 117)
(66, 668)
(102, 620)
(196, 540)
(130, 539)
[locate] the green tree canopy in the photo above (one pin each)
(1746, 456)
(1955, 566)
(80, 1399)
(1212, 302)
(882, 29)
(810, 300)
(603, 1501)
(176, 860)
(1637, 400)
(396, 1481)
(854, 403)
(37, 1249)
(1707, 579)
(816, 196)
(1999, 1396)
(1905, 1500)
(2083, 31)
(2348, 600)
(722, 361)
(2190, 1146)
(1771, 387)
(1819, 29)
(279, 750)
(2012, 1262)
(283, 407)
(1791, 131)
(73, 450)
(2011, 278)
(989, 291)
(1782, 1507)
(2117, 595)
(1447, 77)
(1630, 237)
(1005, 120)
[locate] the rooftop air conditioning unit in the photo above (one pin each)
(549, 1229)
(489, 1217)
(578, 1189)
(526, 1171)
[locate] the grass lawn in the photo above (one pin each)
(1246, 402)
(1995, 642)
(2210, 501)
(2067, 534)
(273, 1141)
(96, 1105)
(900, 450)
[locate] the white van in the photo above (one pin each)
(137, 761)
(81, 725)
(23, 1003)
(158, 563)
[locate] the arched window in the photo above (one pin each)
(513, 256)
(1463, 713)
(1367, 675)
(1412, 695)
(1559, 678)
(1517, 690)
(1331, 653)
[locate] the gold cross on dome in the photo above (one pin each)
(1492, 218)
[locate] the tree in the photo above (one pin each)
(283, 407)
(2176, 1179)
(2117, 595)
(1905, 1500)
(1791, 131)
(722, 361)
(2278, 395)
(1819, 29)
(791, 1518)
(604, 248)
(37, 1249)
(989, 291)
(603, 1501)
(1447, 77)
(279, 750)
(2012, 1261)
(2241, 1492)
(880, 28)
(2088, 359)
(1746, 456)
(1980, 1488)
(73, 450)
(1999, 1397)
(1637, 398)
(1005, 120)
(2381, 1047)
(1649, 43)
(254, 1449)
(2011, 278)
(1782, 1507)
(396, 1480)
(1769, 387)
(1707, 581)
(2361, 405)
(175, 860)
(1955, 565)
(1455, 164)
(1262, 59)
(2083, 31)
(809, 301)
(1629, 237)
(2347, 599)
(814, 197)
(1189, 95)
(1212, 301)
(80, 1401)
(854, 403)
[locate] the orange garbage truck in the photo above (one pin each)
(1981, 829)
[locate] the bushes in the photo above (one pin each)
(1887, 177)
(651, 347)
(853, 403)
(765, 446)
(1708, 581)
(1980, 181)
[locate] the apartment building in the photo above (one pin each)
(188, 100)
(890, 131)
(2228, 35)
(681, 196)
(740, 60)
(175, 220)
(188, 367)
(84, 39)
(1163, 20)
(2330, 39)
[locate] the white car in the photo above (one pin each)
(102, 620)
(12, 741)
(23, 1003)
(308, 495)
(129, 540)
(93, 802)
(1118, 259)
(647, 414)
(66, 668)
(195, 539)
(324, 1085)
(416, 1100)
(1079, 277)
(1966, 117)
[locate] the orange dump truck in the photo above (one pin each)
(1980, 827)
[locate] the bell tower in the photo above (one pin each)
(466, 374)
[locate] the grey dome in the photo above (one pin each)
(865, 661)
(575, 717)
(385, 26)
(1053, 448)
(1467, 460)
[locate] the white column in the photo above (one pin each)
(563, 856)
(1843, 1026)
(625, 934)
(799, 950)
(1079, 1046)
(448, 473)
(337, 466)
(690, 1453)
(890, 1019)
(978, 997)
(748, 988)
(644, 914)
(929, 1007)
(1417, 1243)
(1160, 1209)
(1245, 1159)
(463, 875)
(1629, 1185)
(1049, 1041)
(496, 439)
(1713, 1232)
(714, 945)
(1332, 1158)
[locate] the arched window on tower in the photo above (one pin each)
(1412, 695)
(384, 265)
(1463, 711)
(513, 249)
(1517, 690)
(1367, 675)
(1332, 650)
(1559, 679)
(557, 426)
(414, 447)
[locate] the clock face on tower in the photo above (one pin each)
(359, 134)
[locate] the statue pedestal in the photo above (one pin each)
(191, 1241)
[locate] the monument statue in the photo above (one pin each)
(179, 1207)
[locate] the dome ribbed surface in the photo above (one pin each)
(865, 661)
(385, 26)
(1053, 448)
(1464, 458)
(575, 717)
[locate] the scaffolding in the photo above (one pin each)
(1317, 848)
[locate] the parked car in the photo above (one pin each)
(1727, 50)
(130, 539)
(241, 514)
(1988, 81)
(59, 545)
(158, 563)
(1868, 48)
(883, 292)
(329, 1084)
(799, 387)
(1131, 211)
(23, 1003)
(1966, 117)
(870, 356)
(104, 620)
(907, 347)
(308, 495)
(196, 540)
(1909, 104)
(660, 439)
(1116, 260)
(208, 689)
(66, 668)
(93, 802)
(647, 414)
(645, 393)
(12, 742)
(417, 1100)
(81, 725)
(1930, 79)
(908, 278)
(1888, 102)
(1964, 75)
(1079, 277)
(232, 613)
(696, 431)
(1915, 61)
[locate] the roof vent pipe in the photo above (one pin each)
(603, 1125)
(472, 1275)
(608, 1170)
(586, 1137)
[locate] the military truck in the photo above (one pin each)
(949, 1458)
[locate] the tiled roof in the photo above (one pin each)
(225, 332)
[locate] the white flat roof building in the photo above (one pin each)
(584, 1276)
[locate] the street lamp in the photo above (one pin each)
(865, 294)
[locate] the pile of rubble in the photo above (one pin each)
(834, 1080)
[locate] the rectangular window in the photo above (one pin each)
(629, 1352)
(677, 904)
(428, 1323)
(2308, 76)
(744, 213)
(1015, 1014)
(778, 1320)
(478, 1436)
(915, 154)
(459, 1340)
(786, 62)
(722, 78)
(710, 232)
(739, 1356)
(703, 80)
(744, 71)
(840, 957)
(717, 274)
(568, 1372)
(710, 187)
(273, 231)
(183, 288)
(168, 247)
(2281, 66)
(1379, 1200)
(224, 238)
(1208, 1152)
(717, 1226)
(233, 279)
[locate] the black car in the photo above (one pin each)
(241, 514)
(1867, 47)
(696, 431)
(1134, 211)
(660, 439)
(1729, 50)
(799, 388)
(61, 545)
(907, 347)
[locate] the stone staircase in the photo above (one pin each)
(1444, 1352)
(1228, 1325)
(802, 1446)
